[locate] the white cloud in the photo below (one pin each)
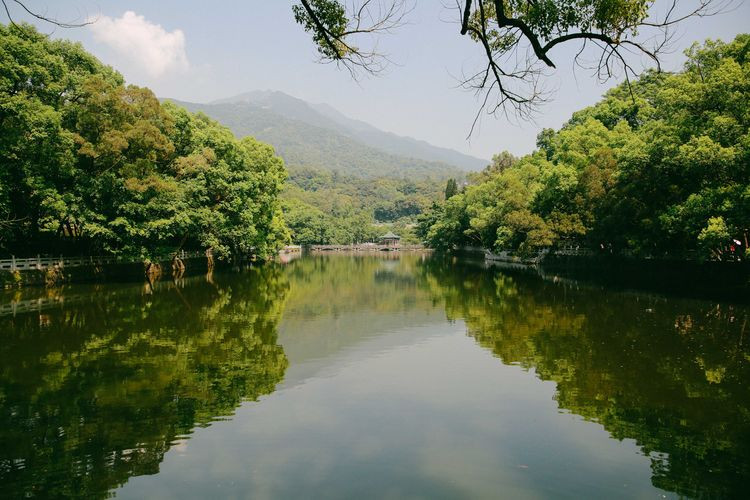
(148, 45)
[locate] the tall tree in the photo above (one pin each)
(91, 165)
(451, 188)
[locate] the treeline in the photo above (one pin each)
(90, 165)
(327, 207)
(658, 167)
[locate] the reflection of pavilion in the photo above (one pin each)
(390, 240)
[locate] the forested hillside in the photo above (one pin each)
(659, 167)
(302, 144)
(90, 165)
(339, 189)
(94, 166)
(323, 207)
(327, 117)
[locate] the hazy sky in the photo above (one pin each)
(199, 51)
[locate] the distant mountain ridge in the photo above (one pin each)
(303, 145)
(327, 117)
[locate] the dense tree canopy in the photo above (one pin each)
(323, 207)
(91, 165)
(659, 167)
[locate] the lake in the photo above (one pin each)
(393, 376)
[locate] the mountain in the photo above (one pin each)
(327, 117)
(306, 146)
(401, 145)
(340, 189)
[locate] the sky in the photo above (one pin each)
(199, 51)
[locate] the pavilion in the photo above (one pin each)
(390, 240)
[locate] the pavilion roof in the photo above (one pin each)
(390, 236)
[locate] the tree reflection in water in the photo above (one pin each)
(669, 373)
(97, 392)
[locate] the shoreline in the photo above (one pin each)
(709, 279)
(56, 275)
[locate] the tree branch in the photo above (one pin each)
(39, 16)
(515, 21)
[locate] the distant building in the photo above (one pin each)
(390, 240)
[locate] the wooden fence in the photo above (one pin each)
(38, 262)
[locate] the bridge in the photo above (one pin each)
(365, 247)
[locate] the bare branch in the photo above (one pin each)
(356, 46)
(40, 16)
(625, 49)
(465, 19)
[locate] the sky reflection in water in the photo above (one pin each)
(351, 376)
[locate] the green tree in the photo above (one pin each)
(451, 188)
(650, 170)
(94, 166)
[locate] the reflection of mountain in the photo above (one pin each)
(97, 392)
(336, 304)
(671, 374)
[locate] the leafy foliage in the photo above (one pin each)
(551, 18)
(451, 188)
(91, 165)
(324, 207)
(657, 168)
(333, 17)
(339, 190)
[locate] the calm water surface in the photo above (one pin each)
(340, 376)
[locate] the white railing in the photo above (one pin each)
(362, 247)
(38, 262)
(511, 256)
(22, 306)
(574, 251)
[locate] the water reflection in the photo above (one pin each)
(97, 391)
(670, 373)
(99, 382)
(337, 302)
